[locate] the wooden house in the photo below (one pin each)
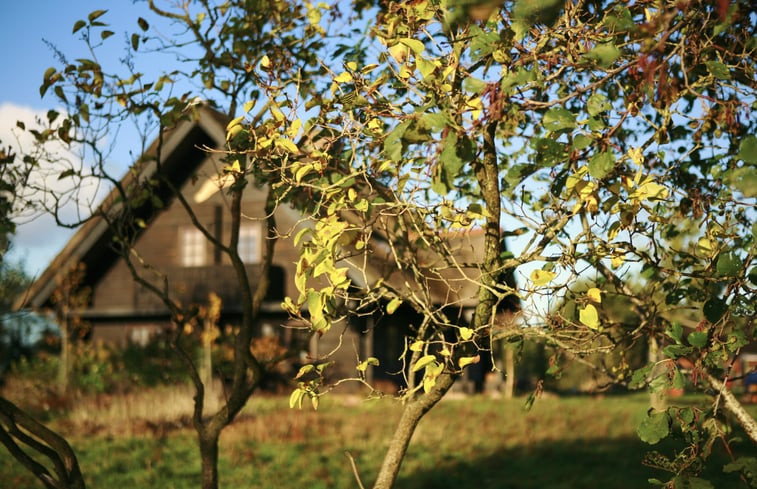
(120, 310)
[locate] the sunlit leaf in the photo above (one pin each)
(393, 305)
(594, 294)
(589, 316)
(465, 361)
(423, 362)
(541, 277)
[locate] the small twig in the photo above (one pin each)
(354, 470)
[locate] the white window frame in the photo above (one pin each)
(250, 243)
(192, 248)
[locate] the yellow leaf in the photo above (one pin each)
(277, 114)
(542, 277)
(345, 77)
(393, 305)
(294, 128)
(589, 316)
(296, 398)
(399, 52)
(594, 294)
(466, 333)
(617, 261)
(463, 361)
(705, 247)
(249, 105)
(286, 144)
(424, 361)
(636, 156)
(265, 62)
(428, 383)
(417, 346)
(352, 65)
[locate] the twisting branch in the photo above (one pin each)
(18, 429)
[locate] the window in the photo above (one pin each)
(192, 247)
(250, 243)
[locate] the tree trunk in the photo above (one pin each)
(64, 368)
(209, 455)
(207, 360)
(509, 368)
(658, 400)
(411, 415)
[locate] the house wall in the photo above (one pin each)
(158, 247)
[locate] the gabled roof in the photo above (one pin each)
(181, 154)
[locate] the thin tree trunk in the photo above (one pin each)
(509, 368)
(64, 368)
(658, 400)
(411, 415)
(209, 455)
(207, 359)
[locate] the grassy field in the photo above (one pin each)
(579, 442)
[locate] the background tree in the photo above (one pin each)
(69, 298)
(227, 54)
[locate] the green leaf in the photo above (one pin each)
(718, 70)
(728, 264)
(753, 275)
(106, 34)
(515, 79)
(685, 481)
(559, 118)
(601, 164)
(78, 25)
(393, 141)
(474, 85)
(604, 54)
(597, 104)
(744, 180)
(415, 46)
(698, 339)
(537, 11)
(714, 309)
(435, 121)
(748, 150)
(134, 41)
(425, 67)
(483, 42)
(450, 160)
(676, 351)
(639, 377)
(518, 172)
(676, 332)
(654, 428)
(581, 141)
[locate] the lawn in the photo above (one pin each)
(576, 442)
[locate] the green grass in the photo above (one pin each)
(474, 442)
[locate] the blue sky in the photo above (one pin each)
(26, 25)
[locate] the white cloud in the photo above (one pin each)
(38, 239)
